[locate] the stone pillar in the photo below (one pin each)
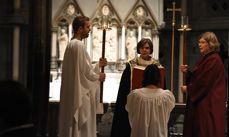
(39, 62)
(54, 44)
(89, 44)
(123, 48)
(53, 63)
(180, 74)
(16, 45)
(156, 47)
(139, 33)
(70, 32)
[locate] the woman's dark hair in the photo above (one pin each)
(142, 42)
(151, 75)
(79, 22)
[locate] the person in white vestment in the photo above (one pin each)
(149, 107)
(79, 97)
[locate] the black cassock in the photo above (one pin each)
(120, 124)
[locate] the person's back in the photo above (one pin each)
(150, 115)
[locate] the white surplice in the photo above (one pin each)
(149, 111)
(79, 97)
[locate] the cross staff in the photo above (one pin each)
(104, 27)
(102, 68)
(173, 29)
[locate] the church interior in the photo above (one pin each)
(35, 33)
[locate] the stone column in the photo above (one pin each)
(69, 32)
(53, 63)
(156, 47)
(89, 44)
(39, 62)
(16, 45)
(16, 54)
(139, 33)
(123, 48)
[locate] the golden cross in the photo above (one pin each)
(173, 10)
(173, 29)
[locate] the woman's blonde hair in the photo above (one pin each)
(212, 41)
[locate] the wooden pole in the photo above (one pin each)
(173, 29)
(102, 69)
(184, 62)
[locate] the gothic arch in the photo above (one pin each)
(112, 15)
(131, 26)
(147, 25)
(105, 12)
(140, 12)
(131, 23)
(69, 10)
(65, 21)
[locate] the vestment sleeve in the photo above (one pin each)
(124, 88)
(203, 79)
(129, 107)
(85, 65)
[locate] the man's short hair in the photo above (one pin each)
(142, 42)
(79, 21)
(151, 75)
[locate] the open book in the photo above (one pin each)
(137, 77)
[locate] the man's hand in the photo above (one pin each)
(102, 76)
(102, 62)
(184, 68)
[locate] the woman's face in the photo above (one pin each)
(204, 46)
(145, 52)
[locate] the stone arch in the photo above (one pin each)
(69, 10)
(149, 30)
(140, 12)
(105, 11)
(147, 24)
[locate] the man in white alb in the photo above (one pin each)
(79, 98)
(149, 107)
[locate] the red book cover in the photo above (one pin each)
(137, 77)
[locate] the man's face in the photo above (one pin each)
(86, 29)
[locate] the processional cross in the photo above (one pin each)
(173, 29)
(104, 27)
(184, 28)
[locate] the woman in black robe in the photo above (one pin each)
(120, 125)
